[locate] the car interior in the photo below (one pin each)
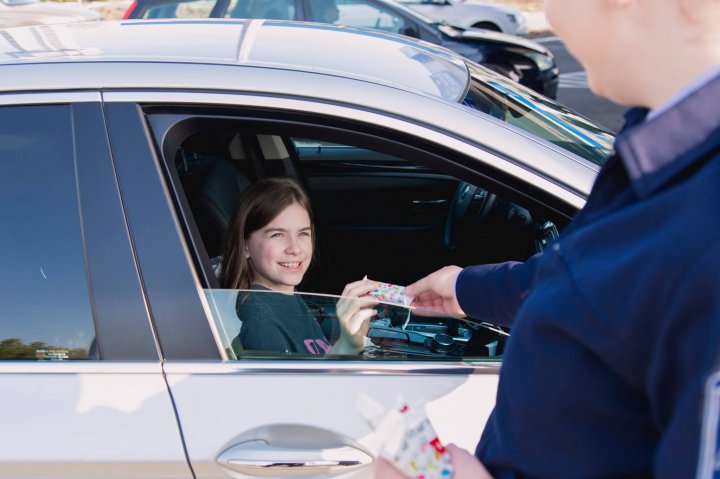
(384, 208)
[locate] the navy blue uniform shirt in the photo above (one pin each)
(616, 326)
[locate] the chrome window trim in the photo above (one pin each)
(254, 367)
(49, 98)
(330, 366)
(397, 124)
(79, 367)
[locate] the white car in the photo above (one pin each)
(17, 13)
(472, 14)
(125, 144)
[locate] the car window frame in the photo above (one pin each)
(122, 327)
(194, 323)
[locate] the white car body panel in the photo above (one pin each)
(90, 420)
(237, 399)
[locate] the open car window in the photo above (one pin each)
(383, 209)
(395, 332)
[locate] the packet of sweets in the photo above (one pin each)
(392, 293)
(405, 437)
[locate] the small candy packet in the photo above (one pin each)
(392, 293)
(405, 437)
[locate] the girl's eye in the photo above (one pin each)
(305, 233)
(276, 235)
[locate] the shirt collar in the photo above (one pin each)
(655, 150)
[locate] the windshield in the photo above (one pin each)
(525, 109)
(268, 324)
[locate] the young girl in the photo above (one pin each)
(269, 247)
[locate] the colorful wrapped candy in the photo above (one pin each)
(392, 293)
(406, 438)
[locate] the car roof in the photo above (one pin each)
(366, 54)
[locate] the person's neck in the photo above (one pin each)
(685, 91)
(286, 290)
(677, 80)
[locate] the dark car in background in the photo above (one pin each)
(522, 60)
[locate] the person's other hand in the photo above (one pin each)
(435, 293)
(354, 315)
(465, 466)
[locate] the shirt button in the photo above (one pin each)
(556, 247)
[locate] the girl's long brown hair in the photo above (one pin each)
(256, 208)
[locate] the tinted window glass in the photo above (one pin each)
(373, 211)
(182, 9)
(525, 109)
(356, 13)
(261, 324)
(272, 9)
(44, 307)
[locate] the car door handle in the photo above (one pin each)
(429, 202)
(253, 457)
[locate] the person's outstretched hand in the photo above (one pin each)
(354, 315)
(465, 466)
(435, 293)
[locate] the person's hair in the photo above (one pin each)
(257, 207)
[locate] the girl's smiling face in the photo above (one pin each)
(280, 252)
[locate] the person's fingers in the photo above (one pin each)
(421, 286)
(360, 321)
(441, 282)
(385, 470)
(466, 465)
(364, 316)
(361, 284)
(348, 307)
(360, 289)
(429, 311)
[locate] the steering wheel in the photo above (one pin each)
(465, 195)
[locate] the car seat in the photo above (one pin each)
(216, 200)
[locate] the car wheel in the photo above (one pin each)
(488, 26)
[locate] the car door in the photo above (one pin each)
(247, 415)
(83, 393)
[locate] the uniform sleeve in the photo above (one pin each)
(494, 292)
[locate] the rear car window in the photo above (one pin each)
(181, 9)
(45, 310)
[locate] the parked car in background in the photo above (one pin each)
(16, 13)
(125, 146)
(472, 14)
(522, 60)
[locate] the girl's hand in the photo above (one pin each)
(354, 315)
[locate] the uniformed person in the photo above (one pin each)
(611, 367)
